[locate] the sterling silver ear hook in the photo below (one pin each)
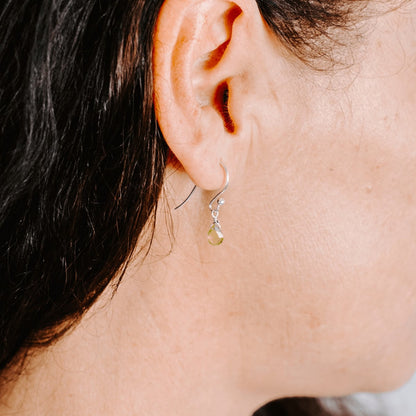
(187, 198)
(215, 235)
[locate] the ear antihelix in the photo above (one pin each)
(213, 57)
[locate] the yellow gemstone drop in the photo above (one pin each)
(215, 236)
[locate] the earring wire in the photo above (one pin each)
(227, 181)
(187, 198)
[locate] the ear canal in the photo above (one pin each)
(222, 97)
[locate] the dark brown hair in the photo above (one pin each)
(82, 158)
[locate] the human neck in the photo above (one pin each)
(158, 347)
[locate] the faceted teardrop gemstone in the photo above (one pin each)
(215, 236)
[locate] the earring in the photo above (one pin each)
(215, 235)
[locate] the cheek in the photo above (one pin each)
(341, 302)
(357, 294)
(359, 242)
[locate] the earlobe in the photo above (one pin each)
(197, 55)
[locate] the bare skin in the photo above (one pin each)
(313, 291)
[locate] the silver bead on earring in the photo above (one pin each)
(215, 235)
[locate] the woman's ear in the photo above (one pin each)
(202, 50)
